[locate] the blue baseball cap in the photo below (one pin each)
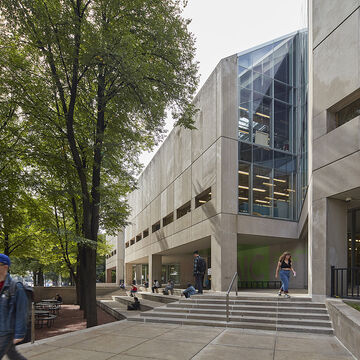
(4, 259)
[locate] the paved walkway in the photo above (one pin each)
(134, 341)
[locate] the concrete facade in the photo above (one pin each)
(188, 164)
(334, 152)
(115, 261)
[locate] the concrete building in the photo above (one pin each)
(234, 188)
(274, 165)
(334, 141)
(114, 262)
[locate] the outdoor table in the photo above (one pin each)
(41, 312)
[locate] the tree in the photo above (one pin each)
(108, 70)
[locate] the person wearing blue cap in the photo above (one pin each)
(13, 312)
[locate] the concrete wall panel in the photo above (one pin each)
(329, 15)
(339, 143)
(340, 76)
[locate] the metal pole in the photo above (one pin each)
(227, 307)
(32, 322)
(237, 285)
(332, 281)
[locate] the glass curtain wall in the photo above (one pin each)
(272, 132)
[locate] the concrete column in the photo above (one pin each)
(223, 254)
(328, 242)
(138, 272)
(155, 263)
(128, 274)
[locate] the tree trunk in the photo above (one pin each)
(40, 278)
(6, 245)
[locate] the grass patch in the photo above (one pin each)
(356, 306)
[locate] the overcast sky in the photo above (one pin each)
(226, 27)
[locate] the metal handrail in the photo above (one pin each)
(227, 295)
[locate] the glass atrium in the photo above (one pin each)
(272, 128)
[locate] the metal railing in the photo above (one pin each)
(345, 282)
(228, 293)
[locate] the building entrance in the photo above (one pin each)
(354, 238)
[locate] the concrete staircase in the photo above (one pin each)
(261, 313)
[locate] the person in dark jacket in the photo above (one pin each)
(135, 305)
(199, 271)
(13, 312)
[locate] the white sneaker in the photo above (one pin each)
(279, 293)
(287, 296)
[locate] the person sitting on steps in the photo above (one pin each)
(169, 288)
(135, 305)
(155, 287)
(190, 290)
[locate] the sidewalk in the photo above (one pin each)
(125, 340)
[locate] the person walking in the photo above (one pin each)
(284, 267)
(13, 312)
(199, 271)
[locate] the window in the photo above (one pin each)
(170, 272)
(145, 233)
(168, 219)
(262, 191)
(243, 191)
(282, 120)
(348, 113)
(156, 227)
(138, 237)
(127, 244)
(262, 119)
(203, 198)
(132, 241)
(183, 210)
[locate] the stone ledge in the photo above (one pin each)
(346, 324)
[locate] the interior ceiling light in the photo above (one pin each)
(243, 187)
(263, 177)
(242, 108)
(202, 201)
(290, 190)
(280, 193)
(269, 198)
(268, 184)
(262, 201)
(243, 198)
(263, 115)
(280, 180)
(243, 131)
(260, 190)
(243, 172)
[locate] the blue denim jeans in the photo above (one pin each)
(8, 348)
(285, 277)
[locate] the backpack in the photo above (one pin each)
(29, 291)
(201, 265)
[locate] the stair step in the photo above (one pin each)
(252, 298)
(233, 324)
(268, 320)
(283, 303)
(250, 307)
(293, 315)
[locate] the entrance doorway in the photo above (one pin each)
(353, 228)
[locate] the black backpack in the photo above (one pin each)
(201, 265)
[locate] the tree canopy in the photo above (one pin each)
(93, 80)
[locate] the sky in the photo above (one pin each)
(225, 27)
